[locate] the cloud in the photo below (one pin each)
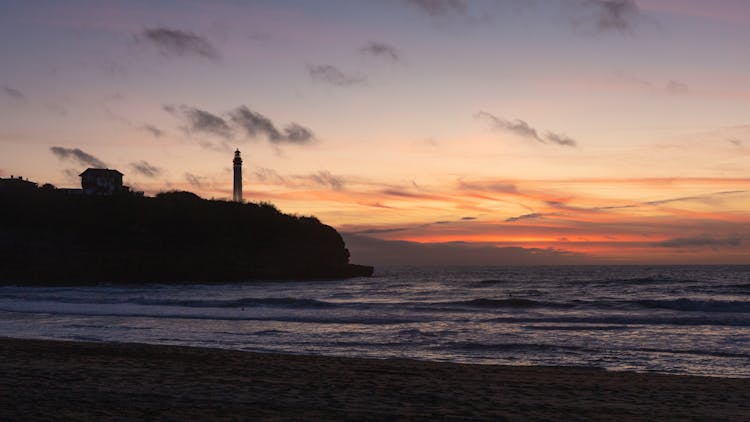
(701, 241)
(322, 178)
(332, 75)
(270, 176)
(633, 80)
(436, 8)
(13, 93)
(76, 155)
(468, 218)
(145, 169)
(596, 16)
(488, 186)
(241, 119)
(381, 231)
(325, 178)
(194, 180)
(400, 193)
(201, 121)
(707, 198)
(178, 43)
(71, 174)
(522, 129)
(517, 127)
(676, 88)
(560, 139)
(735, 142)
(158, 133)
(711, 198)
(297, 134)
(610, 15)
(398, 252)
(531, 216)
(255, 124)
(671, 87)
(379, 49)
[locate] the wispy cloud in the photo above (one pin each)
(195, 181)
(560, 139)
(179, 43)
(239, 122)
(201, 121)
(321, 178)
(633, 80)
(706, 198)
(269, 176)
(13, 92)
(71, 174)
(522, 129)
(517, 127)
(671, 87)
(255, 124)
(608, 15)
(491, 186)
(399, 252)
(381, 231)
(78, 156)
(676, 88)
(153, 130)
(532, 216)
(325, 178)
(379, 49)
(701, 242)
(588, 16)
(145, 169)
(436, 8)
(330, 74)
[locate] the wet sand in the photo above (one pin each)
(95, 381)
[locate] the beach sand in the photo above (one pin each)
(103, 381)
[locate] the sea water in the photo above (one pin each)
(679, 319)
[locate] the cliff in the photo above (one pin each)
(48, 237)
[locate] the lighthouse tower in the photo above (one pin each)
(237, 177)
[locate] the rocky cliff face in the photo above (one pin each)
(47, 237)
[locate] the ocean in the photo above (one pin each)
(668, 319)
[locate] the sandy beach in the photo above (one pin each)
(95, 381)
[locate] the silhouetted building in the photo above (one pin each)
(237, 177)
(101, 182)
(16, 184)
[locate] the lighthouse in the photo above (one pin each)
(237, 176)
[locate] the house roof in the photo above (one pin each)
(100, 172)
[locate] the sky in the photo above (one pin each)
(451, 131)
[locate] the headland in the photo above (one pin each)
(51, 237)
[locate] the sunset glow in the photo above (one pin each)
(560, 125)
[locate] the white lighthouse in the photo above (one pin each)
(237, 177)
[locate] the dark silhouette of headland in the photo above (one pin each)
(55, 236)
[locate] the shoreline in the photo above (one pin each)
(83, 380)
